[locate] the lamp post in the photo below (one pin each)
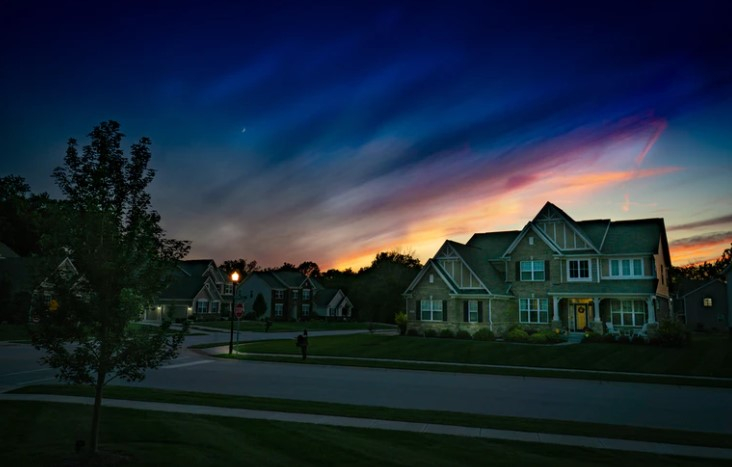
(234, 280)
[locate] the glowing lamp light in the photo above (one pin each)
(235, 276)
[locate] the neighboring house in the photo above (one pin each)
(706, 305)
(20, 279)
(555, 273)
(291, 295)
(198, 290)
(332, 304)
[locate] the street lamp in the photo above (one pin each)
(234, 280)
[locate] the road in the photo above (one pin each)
(649, 405)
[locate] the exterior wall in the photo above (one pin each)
(248, 290)
(662, 272)
(525, 251)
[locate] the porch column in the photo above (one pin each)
(651, 310)
(555, 317)
(596, 308)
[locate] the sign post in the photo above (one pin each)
(239, 312)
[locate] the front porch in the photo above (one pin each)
(626, 316)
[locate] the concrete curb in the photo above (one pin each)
(487, 433)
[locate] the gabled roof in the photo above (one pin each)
(551, 211)
(7, 252)
(475, 261)
(188, 279)
(633, 237)
(493, 244)
(286, 279)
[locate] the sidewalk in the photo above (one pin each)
(487, 433)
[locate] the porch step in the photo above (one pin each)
(575, 337)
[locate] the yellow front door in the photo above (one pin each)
(580, 316)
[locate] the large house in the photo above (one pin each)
(291, 295)
(198, 290)
(555, 273)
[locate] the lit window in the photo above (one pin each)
(533, 310)
(579, 269)
(431, 310)
(707, 302)
(532, 270)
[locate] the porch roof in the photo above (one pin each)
(615, 287)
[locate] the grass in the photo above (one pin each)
(40, 434)
(706, 356)
(14, 332)
(386, 413)
(291, 326)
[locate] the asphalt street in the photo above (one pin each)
(660, 406)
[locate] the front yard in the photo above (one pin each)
(706, 355)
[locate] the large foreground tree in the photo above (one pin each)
(119, 261)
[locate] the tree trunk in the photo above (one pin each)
(94, 439)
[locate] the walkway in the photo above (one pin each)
(487, 433)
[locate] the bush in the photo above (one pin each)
(484, 334)
(623, 340)
(412, 332)
(430, 333)
(516, 334)
(401, 321)
(463, 334)
(538, 338)
(673, 334)
(447, 334)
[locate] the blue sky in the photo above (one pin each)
(330, 131)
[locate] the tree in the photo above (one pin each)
(706, 270)
(310, 269)
(259, 306)
(119, 261)
(24, 216)
(241, 265)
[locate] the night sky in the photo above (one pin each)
(331, 131)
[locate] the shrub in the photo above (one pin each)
(516, 334)
(672, 333)
(538, 338)
(463, 334)
(412, 332)
(484, 334)
(552, 336)
(447, 334)
(623, 340)
(430, 333)
(401, 321)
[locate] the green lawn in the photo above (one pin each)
(386, 413)
(41, 434)
(290, 326)
(707, 355)
(14, 332)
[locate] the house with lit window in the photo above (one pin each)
(555, 273)
(198, 290)
(291, 295)
(706, 305)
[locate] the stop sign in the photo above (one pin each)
(239, 311)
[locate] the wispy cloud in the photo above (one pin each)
(703, 223)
